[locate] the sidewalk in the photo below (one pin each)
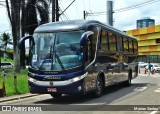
(16, 97)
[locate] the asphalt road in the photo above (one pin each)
(145, 90)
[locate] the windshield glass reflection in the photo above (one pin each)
(56, 51)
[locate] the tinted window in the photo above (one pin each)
(135, 47)
(120, 43)
(112, 41)
(104, 40)
(130, 46)
(125, 44)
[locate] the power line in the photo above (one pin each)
(128, 8)
(65, 14)
(136, 6)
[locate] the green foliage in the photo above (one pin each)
(22, 82)
(33, 9)
(5, 38)
(6, 60)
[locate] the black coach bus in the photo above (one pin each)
(80, 56)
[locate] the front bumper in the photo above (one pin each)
(71, 88)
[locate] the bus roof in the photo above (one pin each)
(75, 25)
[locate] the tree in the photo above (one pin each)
(29, 19)
(37, 12)
(13, 11)
(5, 38)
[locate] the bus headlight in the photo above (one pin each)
(31, 79)
(79, 77)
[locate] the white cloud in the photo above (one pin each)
(4, 22)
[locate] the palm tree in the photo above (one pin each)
(13, 11)
(37, 12)
(5, 38)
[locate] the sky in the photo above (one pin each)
(122, 20)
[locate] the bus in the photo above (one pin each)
(78, 57)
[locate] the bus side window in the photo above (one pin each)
(135, 47)
(125, 44)
(103, 40)
(112, 42)
(120, 43)
(130, 46)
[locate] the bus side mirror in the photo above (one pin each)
(84, 38)
(22, 41)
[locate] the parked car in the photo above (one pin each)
(6, 65)
(142, 64)
(156, 68)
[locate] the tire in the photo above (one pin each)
(99, 87)
(56, 95)
(128, 82)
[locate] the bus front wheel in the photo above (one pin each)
(56, 95)
(99, 87)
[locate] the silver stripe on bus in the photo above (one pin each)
(57, 83)
(95, 51)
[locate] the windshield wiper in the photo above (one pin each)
(60, 62)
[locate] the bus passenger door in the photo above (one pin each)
(89, 53)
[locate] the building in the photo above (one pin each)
(145, 22)
(148, 43)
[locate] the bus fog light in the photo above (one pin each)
(79, 88)
(31, 79)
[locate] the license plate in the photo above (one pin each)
(52, 89)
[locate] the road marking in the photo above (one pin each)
(153, 112)
(140, 88)
(157, 90)
(90, 104)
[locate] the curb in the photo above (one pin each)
(5, 99)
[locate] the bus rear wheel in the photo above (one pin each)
(99, 87)
(56, 95)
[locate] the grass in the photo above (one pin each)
(6, 60)
(22, 82)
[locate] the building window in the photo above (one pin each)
(144, 24)
(158, 40)
(138, 25)
(151, 23)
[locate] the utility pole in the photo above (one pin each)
(84, 15)
(110, 12)
(57, 11)
(53, 10)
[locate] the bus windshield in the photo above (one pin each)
(56, 51)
